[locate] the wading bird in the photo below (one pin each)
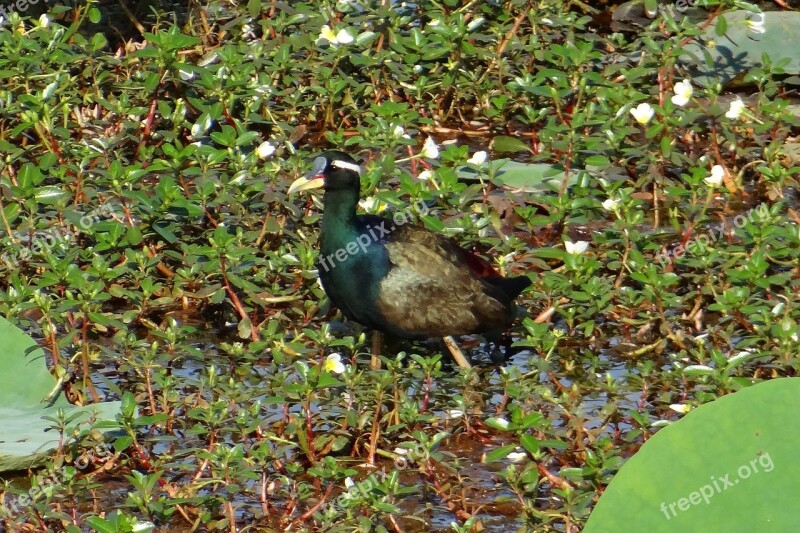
(402, 280)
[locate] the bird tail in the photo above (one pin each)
(511, 286)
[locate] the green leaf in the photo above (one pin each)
(163, 229)
(122, 443)
(497, 423)
(721, 26)
(100, 525)
(698, 370)
(327, 380)
(25, 438)
(50, 193)
(133, 235)
(729, 465)
(245, 327)
(598, 161)
(499, 453)
(11, 212)
(504, 143)
(527, 177)
(94, 15)
(530, 443)
(99, 41)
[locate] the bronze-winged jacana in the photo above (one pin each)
(402, 280)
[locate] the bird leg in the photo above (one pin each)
(377, 345)
(456, 352)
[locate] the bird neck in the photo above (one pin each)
(339, 216)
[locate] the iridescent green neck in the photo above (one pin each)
(339, 217)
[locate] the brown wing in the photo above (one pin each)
(432, 290)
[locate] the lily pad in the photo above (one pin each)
(747, 38)
(729, 465)
(26, 438)
(527, 177)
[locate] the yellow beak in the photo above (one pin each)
(312, 180)
(306, 184)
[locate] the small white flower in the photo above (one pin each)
(344, 37)
(517, 457)
(735, 111)
(478, 158)
(610, 204)
(680, 408)
(265, 150)
(400, 132)
(425, 175)
(683, 92)
(757, 24)
(455, 413)
(326, 35)
(643, 113)
(372, 205)
(333, 364)
(576, 248)
(716, 177)
(44, 21)
(430, 150)
(349, 483)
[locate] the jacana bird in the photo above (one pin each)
(402, 280)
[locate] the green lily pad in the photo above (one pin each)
(729, 465)
(527, 177)
(26, 438)
(718, 58)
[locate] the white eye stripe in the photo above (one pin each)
(344, 164)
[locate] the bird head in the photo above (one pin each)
(331, 170)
